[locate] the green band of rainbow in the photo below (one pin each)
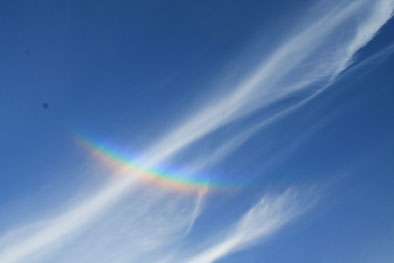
(163, 177)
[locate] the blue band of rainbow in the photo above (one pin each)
(162, 177)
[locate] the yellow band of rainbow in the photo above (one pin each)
(161, 177)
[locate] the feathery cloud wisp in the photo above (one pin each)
(267, 216)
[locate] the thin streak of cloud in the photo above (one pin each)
(370, 62)
(197, 208)
(220, 152)
(270, 214)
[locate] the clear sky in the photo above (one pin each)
(197, 131)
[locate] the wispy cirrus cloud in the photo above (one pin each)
(315, 53)
(320, 49)
(270, 214)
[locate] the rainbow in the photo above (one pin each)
(161, 177)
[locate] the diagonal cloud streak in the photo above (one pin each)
(314, 49)
(261, 88)
(270, 214)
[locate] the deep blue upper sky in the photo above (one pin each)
(131, 72)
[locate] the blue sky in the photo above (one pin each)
(287, 105)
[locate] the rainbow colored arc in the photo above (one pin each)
(161, 177)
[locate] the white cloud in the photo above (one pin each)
(381, 12)
(317, 49)
(270, 214)
(64, 224)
